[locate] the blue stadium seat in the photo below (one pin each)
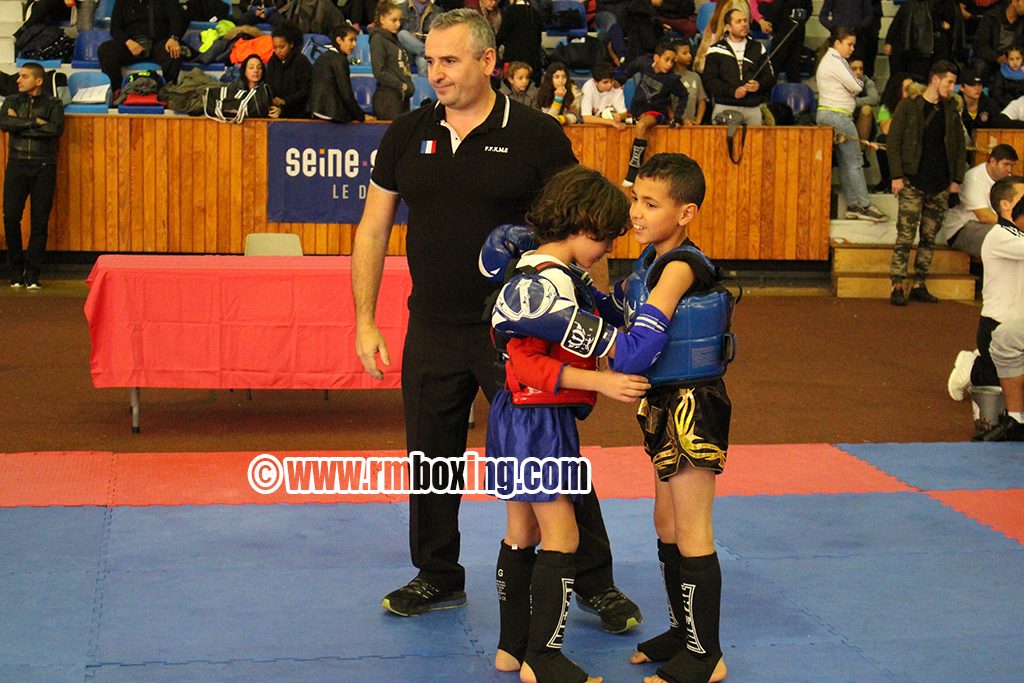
(104, 9)
(314, 45)
(704, 16)
(363, 88)
(359, 62)
(153, 109)
(423, 91)
(569, 6)
(87, 79)
(194, 39)
(45, 63)
(628, 88)
(226, 14)
(798, 96)
(87, 45)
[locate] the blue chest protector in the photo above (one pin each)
(699, 345)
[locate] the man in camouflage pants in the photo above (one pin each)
(928, 158)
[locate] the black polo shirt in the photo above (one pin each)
(455, 200)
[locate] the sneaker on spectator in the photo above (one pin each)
(16, 283)
(419, 596)
(33, 286)
(898, 298)
(921, 293)
(870, 213)
(960, 379)
(618, 613)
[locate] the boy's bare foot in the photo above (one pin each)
(526, 675)
(503, 661)
(719, 674)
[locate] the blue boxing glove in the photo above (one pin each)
(506, 243)
(529, 305)
(637, 350)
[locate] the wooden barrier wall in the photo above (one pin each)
(987, 139)
(157, 184)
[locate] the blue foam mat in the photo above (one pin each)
(51, 539)
(45, 618)
(947, 466)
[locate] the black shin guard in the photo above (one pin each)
(636, 158)
(700, 580)
(514, 572)
(664, 647)
(550, 592)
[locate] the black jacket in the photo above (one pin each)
(906, 139)
(520, 30)
(330, 95)
(134, 19)
(986, 39)
(290, 80)
(643, 29)
(30, 140)
(722, 73)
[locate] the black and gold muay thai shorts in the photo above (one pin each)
(683, 424)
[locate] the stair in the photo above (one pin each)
(862, 271)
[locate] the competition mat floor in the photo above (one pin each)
(869, 562)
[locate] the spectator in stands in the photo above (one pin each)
(330, 96)
(923, 32)
(999, 29)
(715, 29)
(48, 11)
(34, 121)
(518, 84)
(252, 73)
(1008, 82)
(289, 73)
(608, 23)
(416, 20)
(489, 10)
(696, 100)
(1012, 115)
(838, 88)
(603, 101)
(656, 85)
(857, 15)
(979, 109)
(558, 96)
(867, 99)
(261, 12)
(143, 30)
(680, 16)
(1007, 352)
(967, 223)
(390, 64)
(867, 39)
(737, 72)
(518, 38)
(928, 157)
(643, 28)
(785, 20)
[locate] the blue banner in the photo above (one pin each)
(320, 172)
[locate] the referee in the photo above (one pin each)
(473, 161)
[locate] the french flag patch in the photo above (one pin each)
(428, 147)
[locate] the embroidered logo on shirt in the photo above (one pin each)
(499, 150)
(428, 147)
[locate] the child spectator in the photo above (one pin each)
(1008, 83)
(549, 385)
(656, 85)
(289, 73)
(685, 416)
(390, 64)
(603, 100)
(331, 96)
(558, 95)
(518, 84)
(697, 99)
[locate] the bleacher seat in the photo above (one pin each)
(363, 88)
(87, 46)
(628, 89)
(203, 25)
(798, 96)
(104, 9)
(45, 63)
(87, 79)
(423, 91)
(580, 29)
(704, 16)
(314, 45)
(359, 62)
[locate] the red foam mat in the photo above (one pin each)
(42, 479)
(1002, 510)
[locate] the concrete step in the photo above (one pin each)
(878, 286)
(862, 259)
(11, 11)
(7, 52)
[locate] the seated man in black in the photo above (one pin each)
(143, 30)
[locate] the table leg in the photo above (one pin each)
(134, 400)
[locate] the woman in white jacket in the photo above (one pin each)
(838, 88)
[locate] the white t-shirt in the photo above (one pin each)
(973, 196)
(594, 101)
(1015, 110)
(1002, 254)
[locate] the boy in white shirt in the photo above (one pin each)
(603, 99)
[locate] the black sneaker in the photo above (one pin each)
(418, 596)
(898, 298)
(618, 613)
(33, 286)
(921, 293)
(1007, 429)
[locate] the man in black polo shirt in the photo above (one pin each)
(470, 163)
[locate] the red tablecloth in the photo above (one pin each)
(237, 322)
